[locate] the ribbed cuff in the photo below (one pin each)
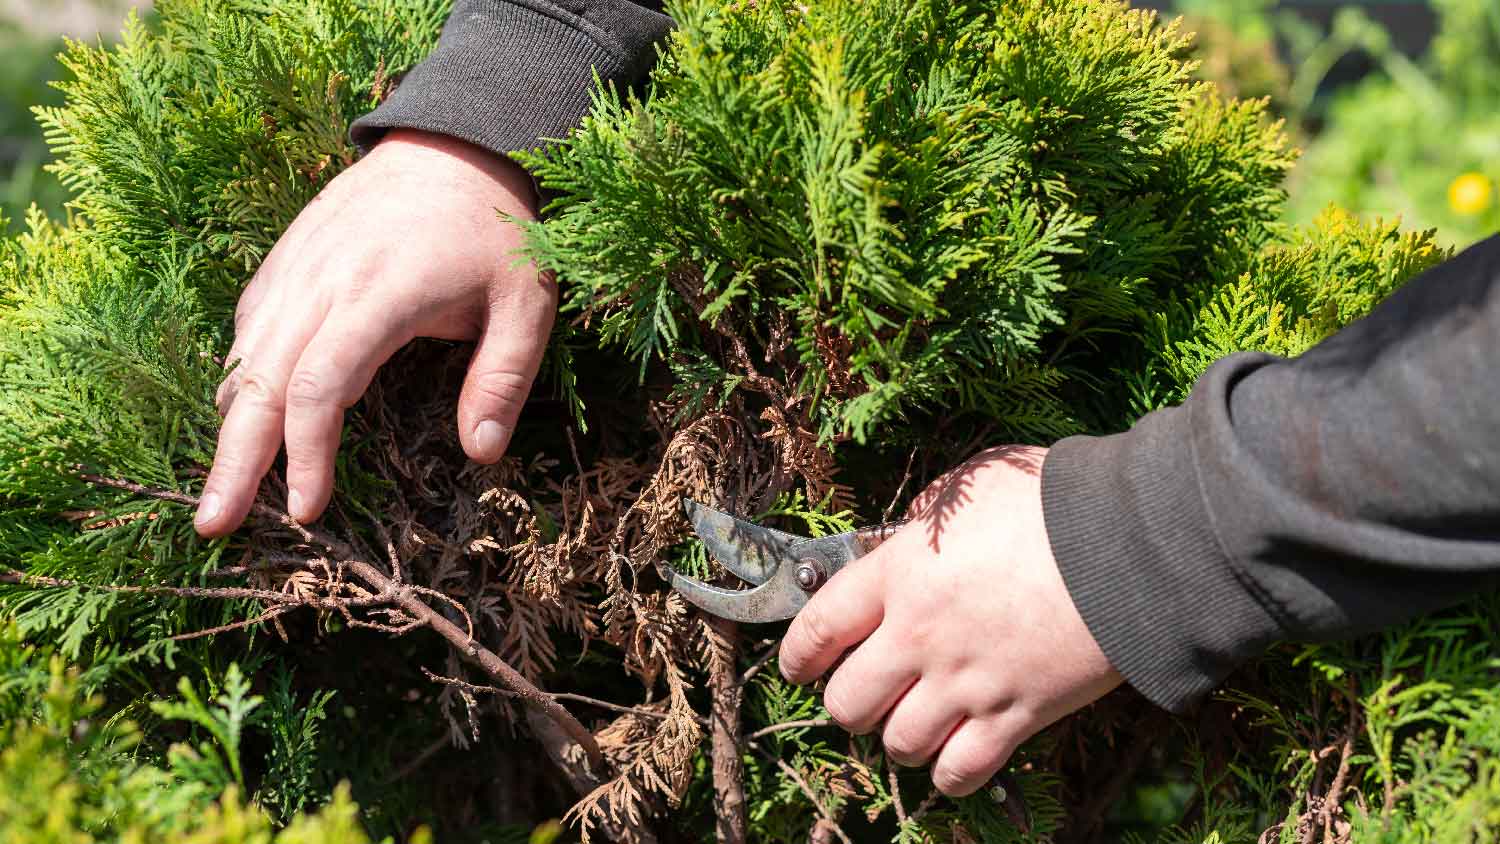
(508, 74)
(1136, 547)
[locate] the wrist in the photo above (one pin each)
(472, 165)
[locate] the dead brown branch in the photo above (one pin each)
(770, 648)
(725, 731)
(927, 805)
(894, 783)
(386, 590)
(568, 696)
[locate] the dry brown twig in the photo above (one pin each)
(895, 786)
(726, 695)
(770, 648)
(568, 696)
(386, 590)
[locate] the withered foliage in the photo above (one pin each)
(843, 246)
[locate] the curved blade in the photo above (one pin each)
(771, 559)
(751, 552)
(777, 599)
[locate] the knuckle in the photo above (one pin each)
(956, 780)
(904, 746)
(507, 389)
(231, 472)
(307, 388)
(968, 768)
(301, 463)
(839, 710)
(817, 632)
(950, 783)
(260, 389)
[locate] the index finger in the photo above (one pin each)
(840, 615)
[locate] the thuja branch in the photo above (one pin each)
(584, 699)
(830, 822)
(726, 696)
(409, 599)
(790, 725)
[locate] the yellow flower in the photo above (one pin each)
(1470, 194)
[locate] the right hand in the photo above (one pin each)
(406, 243)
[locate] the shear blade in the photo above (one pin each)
(754, 554)
(775, 600)
(750, 552)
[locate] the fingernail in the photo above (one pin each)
(294, 505)
(208, 508)
(489, 437)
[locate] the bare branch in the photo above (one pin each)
(402, 595)
(726, 695)
(900, 488)
(895, 785)
(761, 662)
(790, 725)
(238, 625)
(926, 805)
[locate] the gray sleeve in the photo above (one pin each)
(509, 73)
(1348, 489)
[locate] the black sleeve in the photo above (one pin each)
(508, 73)
(1353, 487)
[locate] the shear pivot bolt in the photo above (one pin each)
(808, 576)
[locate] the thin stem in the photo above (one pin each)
(790, 725)
(407, 598)
(806, 789)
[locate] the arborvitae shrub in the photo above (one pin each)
(840, 247)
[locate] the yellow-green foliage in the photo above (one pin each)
(1294, 295)
(68, 775)
(928, 225)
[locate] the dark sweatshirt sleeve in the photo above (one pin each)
(1353, 487)
(507, 74)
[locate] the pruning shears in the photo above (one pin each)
(783, 569)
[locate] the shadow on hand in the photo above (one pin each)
(941, 500)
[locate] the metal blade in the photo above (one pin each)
(777, 599)
(751, 552)
(832, 553)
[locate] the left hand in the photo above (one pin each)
(965, 641)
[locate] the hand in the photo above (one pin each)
(406, 243)
(965, 640)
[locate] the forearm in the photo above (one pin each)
(1353, 487)
(508, 74)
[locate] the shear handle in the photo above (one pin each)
(867, 539)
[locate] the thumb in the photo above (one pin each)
(499, 380)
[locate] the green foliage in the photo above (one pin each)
(187, 152)
(1396, 143)
(915, 197)
(836, 240)
(188, 147)
(1293, 296)
(68, 776)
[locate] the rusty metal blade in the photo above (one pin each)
(750, 552)
(777, 599)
